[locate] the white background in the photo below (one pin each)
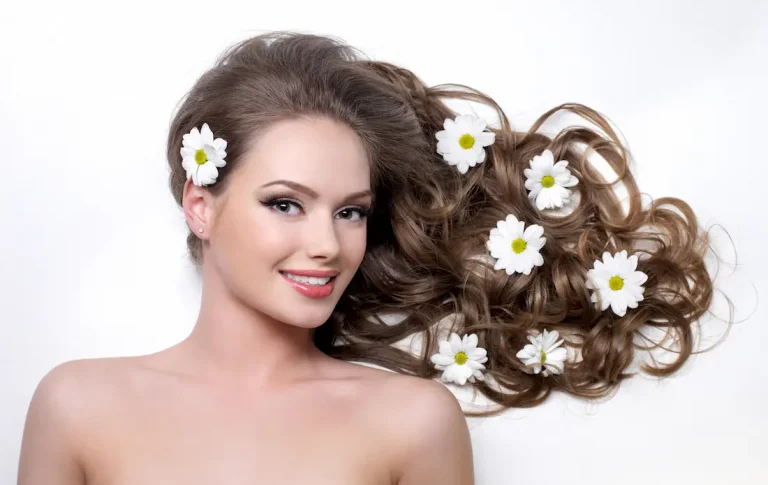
(92, 261)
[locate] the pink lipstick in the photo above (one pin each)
(308, 290)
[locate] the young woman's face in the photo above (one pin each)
(297, 204)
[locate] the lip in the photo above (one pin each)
(311, 291)
(317, 273)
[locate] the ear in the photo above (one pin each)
(198, 205)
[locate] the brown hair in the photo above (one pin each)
(428, 230)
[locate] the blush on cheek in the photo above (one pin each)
(271, 242)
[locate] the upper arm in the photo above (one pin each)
(48, 447)
(437, 446)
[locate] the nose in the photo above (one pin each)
(322, 242)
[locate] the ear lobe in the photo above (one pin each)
(196, 202)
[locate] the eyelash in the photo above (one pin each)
(364, 212)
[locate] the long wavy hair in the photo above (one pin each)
(426, 257)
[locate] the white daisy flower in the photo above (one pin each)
(202, 155)
(515, 247)
(547, 181)
(616, 283)
(462, 141)
(461, 360)
(545, 352)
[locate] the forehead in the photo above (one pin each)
(317, 152)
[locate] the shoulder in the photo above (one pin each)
(56, 430)
(75, 382)
(409, 398)
(420, 428)
(426, 406)
(426, 430)
(77, 393)
(64, 389)
(54, 404)
(422, 400)
(71, 390)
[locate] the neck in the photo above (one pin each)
(234, 342)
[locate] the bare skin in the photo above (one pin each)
(246, 398)
(138, 420)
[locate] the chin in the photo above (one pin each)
(305, 317)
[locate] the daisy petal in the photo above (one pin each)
(207, 173)
(471, 343)
(445, 348)
(477, 354)
(486, 138)
(440, 359)
(455, 342)
(533, 231)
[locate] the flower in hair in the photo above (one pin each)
(616, 283)
(515, 247)
(544, 352)
(547, 181)
(462, 141)
(201, 155)
(460, 359)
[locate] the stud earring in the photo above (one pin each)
(200, 230)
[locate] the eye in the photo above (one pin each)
(283, 206)
(350, 212)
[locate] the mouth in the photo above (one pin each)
(310, 286)
(313, 279)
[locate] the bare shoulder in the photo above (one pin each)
(425, 409)
(79, 370)
(56, 430)
(73, 390)
(410, 399)
(425, 429)
(79, 393)
(435, 444)
(75, 383)
(65, 390)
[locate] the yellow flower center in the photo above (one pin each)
(519, 245)
(200, 157)
(616, 283)
(461, 358)
(543, 356)
(547, 181)
(467, 141)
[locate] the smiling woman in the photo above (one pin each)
(323, 190)
(284, 213)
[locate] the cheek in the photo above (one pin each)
(269, 242)
(354, 248)
(257, 240)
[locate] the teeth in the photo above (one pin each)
(310, 280)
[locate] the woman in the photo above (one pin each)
(323, 191)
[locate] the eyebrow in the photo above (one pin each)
(303, 188)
